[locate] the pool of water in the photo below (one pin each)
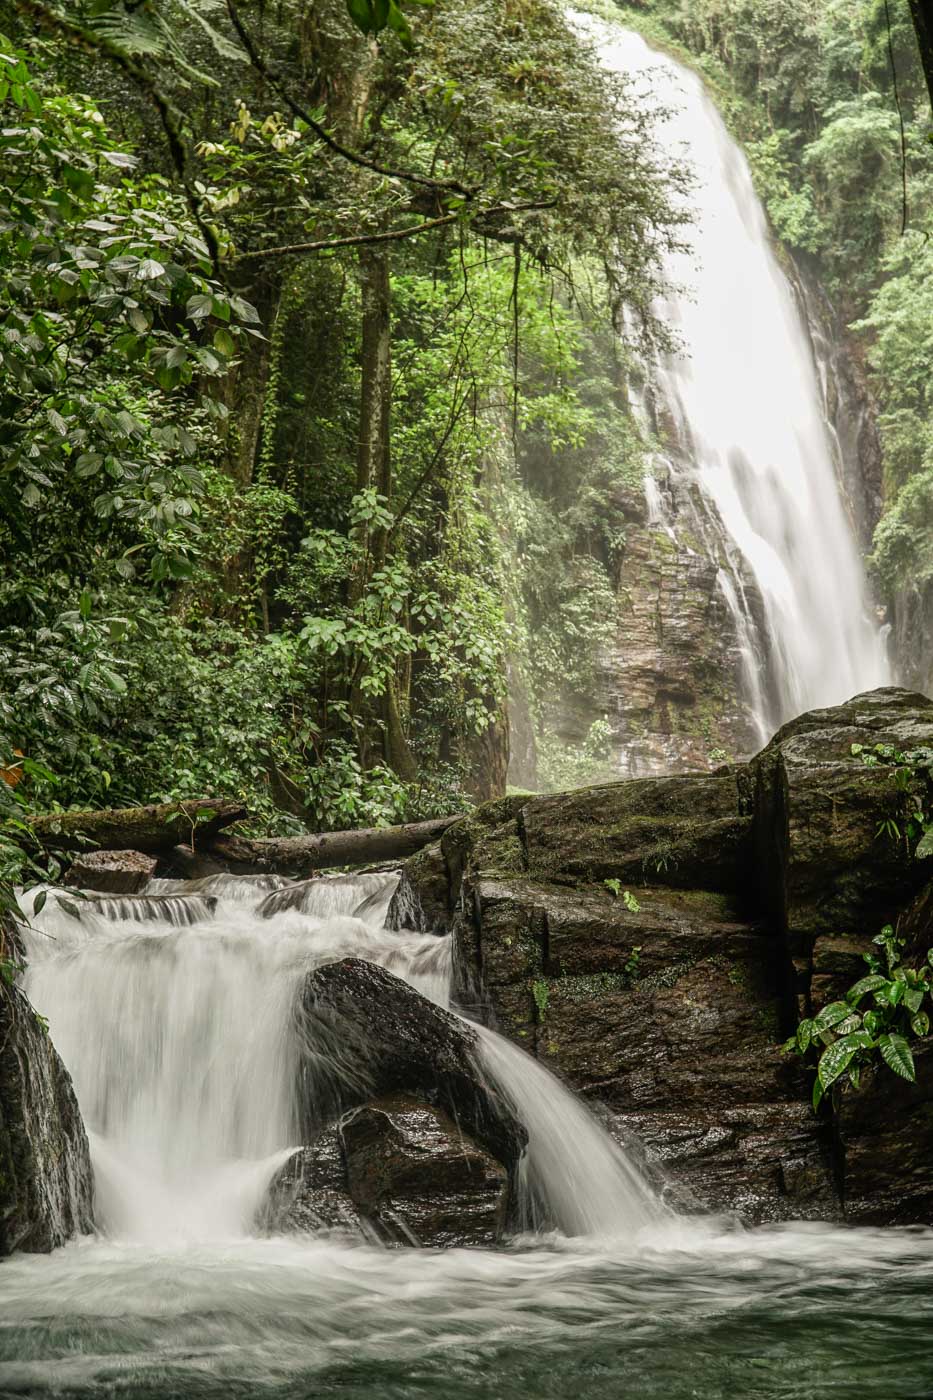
(688, 1311)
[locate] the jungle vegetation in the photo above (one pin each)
(313, 370)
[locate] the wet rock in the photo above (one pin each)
(885, 1133)
(111, 872)
(686, 832)
(309, 1194)
(419, 1178)
(420, 901)
(822, 864)
(766, 1162)
(45, 1171)
(366, 1033)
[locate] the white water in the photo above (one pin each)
(179, 1036)
(745, 397)
(179, 1039)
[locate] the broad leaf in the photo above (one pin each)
(896, 1054)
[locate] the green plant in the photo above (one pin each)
(632, 962)
(628, 899)
(912, 781)
(540, 992)
(853, 1039)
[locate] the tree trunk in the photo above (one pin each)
(303, 855)
(156, 828)
(373, 461)
(921, 12)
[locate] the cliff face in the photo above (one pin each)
(45, 1170)
(654, 940)
(683, 679)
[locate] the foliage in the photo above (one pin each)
(912, 773)
(199, 593)
(853, 1038)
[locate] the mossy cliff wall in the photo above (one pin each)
(653, 940)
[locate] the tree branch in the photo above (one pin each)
(354, 157)
(354, 241)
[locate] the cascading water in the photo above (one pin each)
(173, 1013)
(743, 395)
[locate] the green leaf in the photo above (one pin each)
(863, 986)
(804, 1036)
(399, 23)
(896, 1054)
(920, 1024)
(831, 1015)
(925, 844)
(362, 15)
(838, 1057)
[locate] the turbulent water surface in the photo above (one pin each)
(176, 1028)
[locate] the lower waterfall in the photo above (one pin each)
(178, 1032)
(179, 1038)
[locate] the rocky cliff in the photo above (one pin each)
(45, 1171)
(653, 941)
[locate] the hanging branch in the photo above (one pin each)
(516, 276)
(321, 132)
(354, 241)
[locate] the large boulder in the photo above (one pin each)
(309, 1192)
(398, 1170)
(111, 872)
(45, 1170)
(419, 1178)
(366, 1033)
(826, 869)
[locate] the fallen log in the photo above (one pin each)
(155, 828)
(303, 855)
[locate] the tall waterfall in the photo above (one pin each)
(749, 430)
(173, 1013)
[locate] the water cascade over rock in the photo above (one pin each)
(743, 600)
(212, 1030)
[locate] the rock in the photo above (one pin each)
(753, 893)
(884, 1133)
(309, 1192)
(419, 1178)
(45, 1170)
(822, 864)
(420, 901)
(398, 1171)
(111, 872)
(766, 1162)
(366, 1033)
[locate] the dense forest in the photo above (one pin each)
(319, 326)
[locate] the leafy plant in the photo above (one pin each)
(853, 1038)
(912, 781)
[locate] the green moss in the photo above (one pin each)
(540, 991)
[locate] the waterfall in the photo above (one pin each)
(173, 1011)
(742, 397)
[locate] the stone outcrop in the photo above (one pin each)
(111, 872)
(366, 1033)
(45, 1172)
(397, 1170)
(654, 940)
